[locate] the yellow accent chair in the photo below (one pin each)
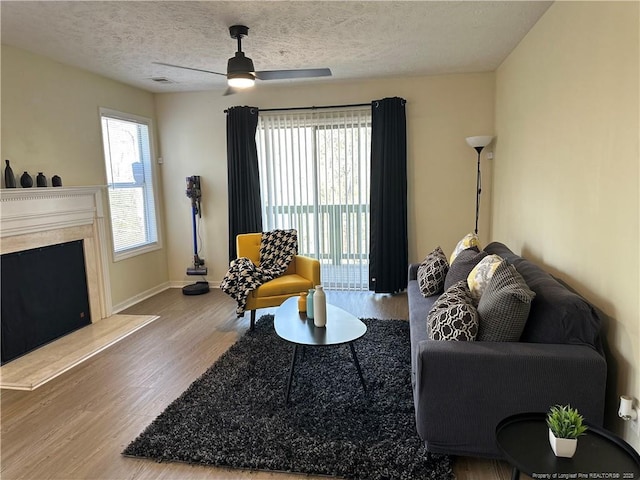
(302, 274)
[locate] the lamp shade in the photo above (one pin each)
(479, 141)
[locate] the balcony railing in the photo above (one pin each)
(337, 235)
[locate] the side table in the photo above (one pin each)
(524, 440)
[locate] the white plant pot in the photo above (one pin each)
(563, 447)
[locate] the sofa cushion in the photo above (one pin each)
(557, 315)
(432, 272)
(504, 306)
(453, 316)
(480, 275)
(468, 241)
(462, 266)
(284, 285)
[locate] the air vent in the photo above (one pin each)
(162, 80)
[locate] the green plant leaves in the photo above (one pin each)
(565, 422)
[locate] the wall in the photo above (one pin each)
(441, 112)
(51, 124)
(566, 168)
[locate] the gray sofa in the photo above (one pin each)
(463, 389)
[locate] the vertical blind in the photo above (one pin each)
(314, 177)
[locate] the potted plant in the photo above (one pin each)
(565, 426)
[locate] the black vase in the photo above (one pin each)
(9, 177)
(26, 181)
(56, 181)
(41, 180)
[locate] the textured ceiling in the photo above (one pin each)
(371, 39)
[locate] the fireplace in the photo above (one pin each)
(35, 218)
(43, 295)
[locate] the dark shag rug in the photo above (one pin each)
(235, 414)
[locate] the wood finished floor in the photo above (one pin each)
(75, 426)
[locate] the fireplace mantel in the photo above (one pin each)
(28, 210)
(37, 217)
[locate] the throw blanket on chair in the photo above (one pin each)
(277, 249)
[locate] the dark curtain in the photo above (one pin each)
(388, 248)
(245, 215)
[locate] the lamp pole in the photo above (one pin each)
(478, 143)
(478, 188)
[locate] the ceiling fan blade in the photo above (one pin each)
(284, 74)
(230, 91)
(189, 68)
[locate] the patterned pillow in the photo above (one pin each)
(453, 316)
(462, 266)
(479, 277)
(468, 241)
(504, 306)
(432, 272)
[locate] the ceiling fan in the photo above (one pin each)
(241, 72)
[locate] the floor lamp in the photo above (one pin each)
(478, 143)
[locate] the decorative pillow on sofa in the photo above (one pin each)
(462, 266)
(432, 272)
(453, 316)
(480, 275)
(468, 241)
(504, 306)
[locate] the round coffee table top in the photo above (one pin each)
(524, 440)
(293, 326)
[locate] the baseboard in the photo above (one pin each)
(182, 283)
(130, 302)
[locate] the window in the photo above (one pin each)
(314, 177)
(130, 181)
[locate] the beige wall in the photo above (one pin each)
(441, 112)
(566, 172)
(51, 124)
(566, 168)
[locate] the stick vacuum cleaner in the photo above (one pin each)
(198, 268)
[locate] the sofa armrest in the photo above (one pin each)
(413, 271)
(308, 268)
(463, 389)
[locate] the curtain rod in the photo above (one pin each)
(311, 108)
(315, 108)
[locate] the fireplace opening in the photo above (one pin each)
(44, 296)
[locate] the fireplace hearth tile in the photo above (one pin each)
(46, 363)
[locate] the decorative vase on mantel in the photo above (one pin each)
(9, 177)
(26, 181)
(56, 181)
(41, 180)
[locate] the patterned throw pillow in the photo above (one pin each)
(504, 306)
(453, 316)
(479, 277)
(432, 272)
(462, 266)
(468, 241)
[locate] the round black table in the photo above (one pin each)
(294, 327)
(524, 440)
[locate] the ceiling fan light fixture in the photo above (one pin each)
(241, 80)
(241, 73)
